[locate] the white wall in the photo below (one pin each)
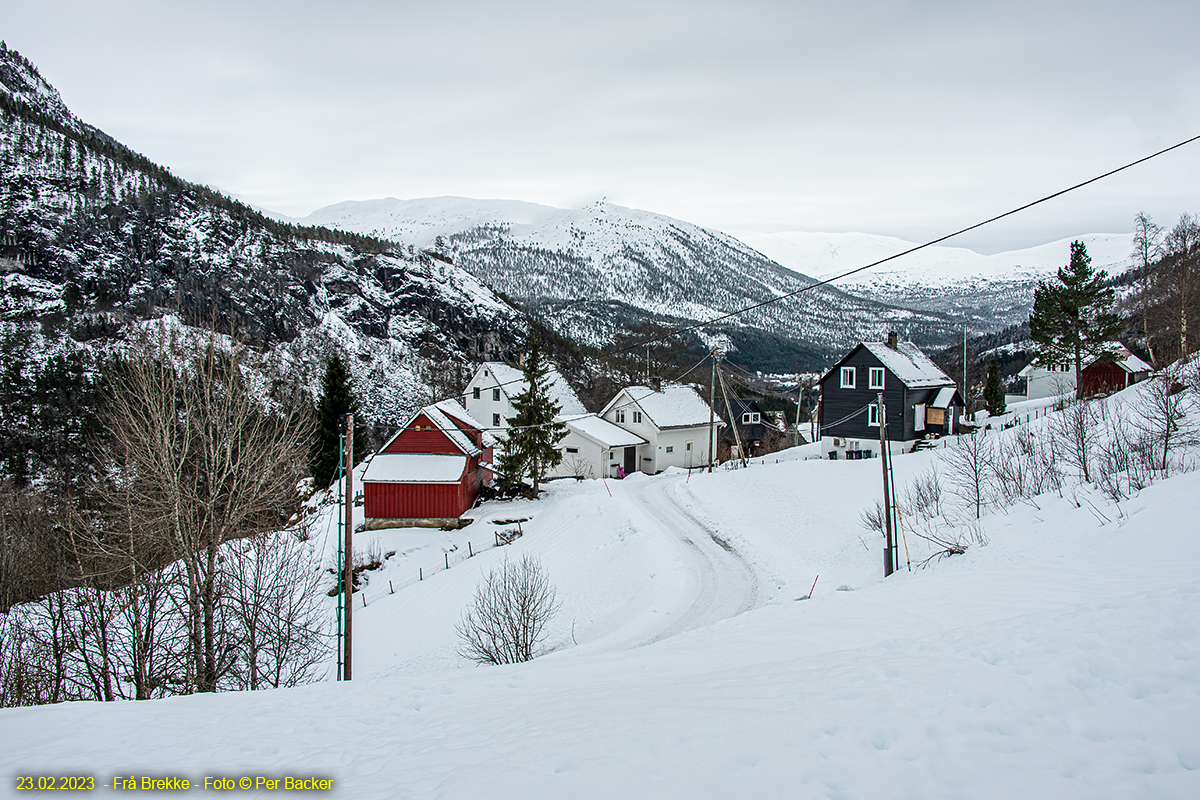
(1041, 383)
(589, 451)
(483, 408)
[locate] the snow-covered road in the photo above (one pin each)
(721, 582)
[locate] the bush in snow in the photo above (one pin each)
(506, 622)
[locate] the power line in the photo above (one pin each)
(939, 240)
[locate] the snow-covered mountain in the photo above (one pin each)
(952, 280)
(96, 238)
(587, 271)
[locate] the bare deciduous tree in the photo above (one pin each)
(206, 461)
(969, 468)
(506, 622)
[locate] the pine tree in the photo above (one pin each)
(993, 391)
(533, 436)
(1072, 317)
(337, 400)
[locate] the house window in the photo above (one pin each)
(670, 449)
(572, 449)
(919, 417)
(610, 455)
(875, 378)
(848, 377)
(620, 415)
(495, 394)
(637, 416)
(873, 415)
(495, 420)
(751, 418)
(475, 393)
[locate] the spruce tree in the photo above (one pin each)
(993, 391)
(336, 401)
(1072, 317)
(531, 448)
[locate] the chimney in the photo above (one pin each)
(892, 340)
(656, 384)
(521, 358)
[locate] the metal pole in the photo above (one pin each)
(887, 499)
(341, 582)
(349, 563)
(712, 406)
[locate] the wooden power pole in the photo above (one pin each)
(712, 412)
(887, 495)
(348, 568)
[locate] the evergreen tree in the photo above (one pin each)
(337, 400)
(533, 436)
(993, 392)
(1072, 317)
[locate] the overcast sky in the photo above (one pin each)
(902, 118)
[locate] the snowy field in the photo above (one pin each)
(1060, 659)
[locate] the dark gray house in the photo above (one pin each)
(753, 427)
(919, 399)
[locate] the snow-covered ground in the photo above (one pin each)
(1060, 659)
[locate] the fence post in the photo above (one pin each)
(364, 597)
(393, 588)
(447, 555)
(420, 573)
(470, 551)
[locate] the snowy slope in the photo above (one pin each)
(1062, 659)
(587, 271)
(953, 280)
(421, 221)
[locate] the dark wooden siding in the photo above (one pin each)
(837, 402)
(900, 402)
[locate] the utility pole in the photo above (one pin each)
(799, 399)
(964, 366)
(348, 574)
(712, 413)
(887, 495)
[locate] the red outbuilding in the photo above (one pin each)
(430, 472)
(1103, 376)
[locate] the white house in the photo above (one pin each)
(674, 422)
(1047, 380)
(491, 390)
(595, 447)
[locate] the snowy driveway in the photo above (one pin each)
(719, 582)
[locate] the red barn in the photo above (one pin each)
(430, 472)
(1102, 377)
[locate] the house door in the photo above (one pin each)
(630, 460)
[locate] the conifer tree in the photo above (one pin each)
(533, 436)
(993, 391)
(336, 401)
(1072, 316)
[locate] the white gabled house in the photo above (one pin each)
(672, 419)
(491, 390)
(594, 447)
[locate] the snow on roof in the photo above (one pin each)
(414, 468)
(676, 406)
(452, 409)
(1126, 360)
(944, 398)
(601, 431)
(909, 364)
(512, 381)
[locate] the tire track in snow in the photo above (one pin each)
(724, 583)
